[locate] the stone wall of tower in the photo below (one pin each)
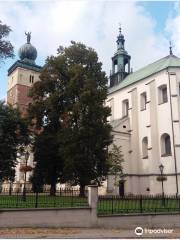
(17, 96)
(20, 82)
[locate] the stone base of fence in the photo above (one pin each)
(65, 217)
(83, 217)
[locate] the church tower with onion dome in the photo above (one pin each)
(120, 62)
(22, 75)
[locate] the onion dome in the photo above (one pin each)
(27, 52)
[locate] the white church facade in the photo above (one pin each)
(145, 116)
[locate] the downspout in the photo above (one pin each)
(175, 160)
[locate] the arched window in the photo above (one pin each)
(165, 145)
(125, 107)
(162, 92)
(145, 147)
(143, 101)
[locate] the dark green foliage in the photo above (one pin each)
(6, 48)
(49, 165)
(87, 133)
(69, 101)
(13, 136)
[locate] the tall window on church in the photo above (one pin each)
(163, 97)
(145, 147)
(31, 79)
(143, 99)
(165, 145)
(125, 107)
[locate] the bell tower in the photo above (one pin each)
(120, 62)
(22, 75)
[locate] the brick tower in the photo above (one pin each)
(22, 75)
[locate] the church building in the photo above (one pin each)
(145, 116)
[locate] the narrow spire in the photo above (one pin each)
(170, 48)
(120, 39)
(119, 27)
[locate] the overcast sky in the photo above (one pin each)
(147, 27)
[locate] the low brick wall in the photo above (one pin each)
(83, 217)
(131, 221)
(66, 217)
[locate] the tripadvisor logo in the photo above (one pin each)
(138, 231)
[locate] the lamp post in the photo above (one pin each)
(24, 189)
(161, 168)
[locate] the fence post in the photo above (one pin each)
(112, 204)
(36, 201)
(179, 202)
(93, 202)
(72, 197)
(141, 204)
(17, 198)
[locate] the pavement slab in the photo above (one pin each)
(73, 233)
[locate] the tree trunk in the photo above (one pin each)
(82, 190)
(53, 189)
(10, 189)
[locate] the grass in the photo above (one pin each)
(122, 206)
(105, 205)
(43, 201)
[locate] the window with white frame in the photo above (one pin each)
(145, 147)
(125, 107)
(143, 101)
(165, 145)
(163, 97)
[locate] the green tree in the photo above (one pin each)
(6, 48)
(45, 114)
(49, 166)
(13, 137)
(87, 132)
(69, 100)
(115, 159)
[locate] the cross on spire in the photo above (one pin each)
(119, 27)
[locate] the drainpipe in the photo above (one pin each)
(175, 160)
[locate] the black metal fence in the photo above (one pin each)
(138, 204)
(62, 199)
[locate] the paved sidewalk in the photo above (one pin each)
(78, 233)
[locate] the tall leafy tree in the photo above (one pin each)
(45, 114)
(69, 100)
(13, 137)
(87, 133)
(116, 158)
(6, 48)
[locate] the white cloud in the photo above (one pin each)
(93, 22)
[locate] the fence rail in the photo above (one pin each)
(63, 198)
(138, 204)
